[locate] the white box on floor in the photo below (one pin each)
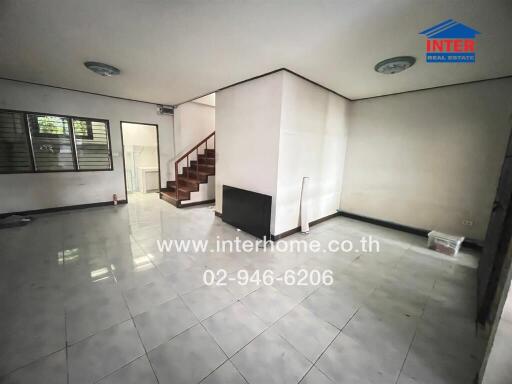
(444, 243)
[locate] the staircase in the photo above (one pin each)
(192, 170)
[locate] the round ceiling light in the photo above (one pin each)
(102, 69)
(395, 65)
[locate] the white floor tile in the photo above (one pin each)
(186, 359)
(103, 353)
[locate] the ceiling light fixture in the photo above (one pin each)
(102, 69)
(395, 65)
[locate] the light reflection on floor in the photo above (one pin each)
(87, 293)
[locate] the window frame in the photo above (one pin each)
(72, 137)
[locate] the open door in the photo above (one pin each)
(496, 241)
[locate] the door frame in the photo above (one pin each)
(487, 296)
(157, 153)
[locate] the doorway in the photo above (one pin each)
(141, 157)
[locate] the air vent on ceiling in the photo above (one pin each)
(164, 110)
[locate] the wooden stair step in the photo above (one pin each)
(170, 197)
(203, 159)
(171, 185)
(203, 174)
(195, 172)
(203, 167)
(187, 188)
(183, 195)
(188, 181)
(191, 180)
(192, 172)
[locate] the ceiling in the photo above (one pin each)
(173, 51)
(206, 100)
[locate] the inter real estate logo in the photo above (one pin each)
(450, 42)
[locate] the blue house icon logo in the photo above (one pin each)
(450, 42)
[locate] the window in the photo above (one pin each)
(35, 142)
(50, 126)
(51, 143)
(92, 145)
(14, 144)
(83, 129)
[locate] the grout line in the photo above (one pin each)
(146, 352)
(278, 334)
(66, 343)
(140, 339)
(65, 310)
(118, 369)
(122, 294)
(212, 338)
(327, 347)
(31, 362)
(178, 295)
(249, 342)
(320, 356)
(407, 354)
(341, 330)
(138, 334)
(167, 340)
(262, 320)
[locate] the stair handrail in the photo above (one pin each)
(186, 155)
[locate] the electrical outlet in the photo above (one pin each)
(469, 223)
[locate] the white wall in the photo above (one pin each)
(248, 118)
(143, 139)
(313, 139)
(21, 192)
(207, 100)
(429, 159)
(139, 134)
(274, 130)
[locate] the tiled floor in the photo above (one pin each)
(86, 297)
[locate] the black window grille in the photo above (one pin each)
(15, 154)
(38, 142)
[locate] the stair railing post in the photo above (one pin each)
(197, 163)
(176, 177)
(188, 167)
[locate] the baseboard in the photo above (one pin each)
(294, 230)
(65, 208)
(297, 229)
(470, 243)
(197, 203)
(387, 224)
